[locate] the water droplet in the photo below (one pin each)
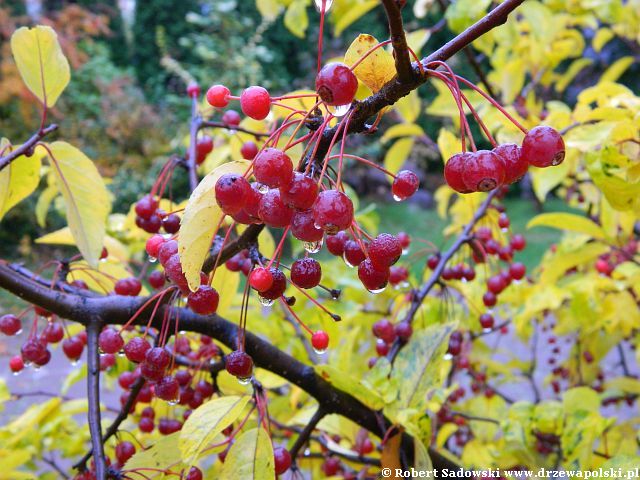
(397, 198)
(36, 367)
(517, 282)
(313, 247)
(263, 189)
(15, 374)
(172, 402)
(153, 259)
(344, 257)
(504, 230)
(320, 351)
(327, 5)
(266, 302)
(18, 332)
(244, 380)
(341, 110)
(405, 251)
(448, 356)
(75, 362)
(379, 290)
(486, 330)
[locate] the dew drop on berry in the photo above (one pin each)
(313, 247)
(245, 380)
(319, 6)
(340, 110)
(265, 302)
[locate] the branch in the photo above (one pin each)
(236, 128)
(247, 238)
(192, 165)
(303, 437)
(93, 393)
(398, 41)
(27, 146)
(119, 310)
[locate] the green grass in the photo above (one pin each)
(426, 224)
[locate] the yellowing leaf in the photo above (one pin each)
(250, 457)
(64, 237)
(296, 19)
(417, 39)
(226, 283)
(269, 9)
(85, 196)
(375, 70)
(568, 221)
(345, 382)
(402, 130)
(616, 70)
(42, 65)
(448, 144)
(206, 422)
(161, 455)
(18, 180)
(546, 179)
(352, 14)
(397, 154)
(409, 107)
(601, 38)
(199, 222)
(44, 202)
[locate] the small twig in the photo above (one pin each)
(236, 128)
(623, 361)
(532, 369)
(398, 41)
(477, 68)
(474, 417)
(306, 432)
(192, 164)
(93, 394)
(51, 462)
(313, 357)
(26, 146)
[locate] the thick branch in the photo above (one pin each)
(93, 394)
(119, 310)
(398, 41)
(27, 146)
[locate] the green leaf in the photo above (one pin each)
(44, 202)
(398, 154)
(417, 366)
(375, 70)
(568, 221)
(18, 180)
(198, 226)
(42, 65)
(345, 382)
(269, 9)
(161, 455)
(85, 196)
(296, 19)
(206, 422)
(250, 457)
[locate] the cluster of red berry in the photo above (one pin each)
(150, 218)
(485, 170)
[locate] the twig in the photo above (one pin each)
(93, 394)
(306, 432)
(236, 128)
(398, 41)
(468, 51)
(26, 146)
(192, 164)
(51, 462)
(474, 417)
(623, 361)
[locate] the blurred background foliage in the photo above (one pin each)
(131, 61)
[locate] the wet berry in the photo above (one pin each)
(336, 84)
(306, 273)
(255, 102)
(543, 147)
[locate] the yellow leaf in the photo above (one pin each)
(352, 14)
(198, 226)
(345, 382)
(42, 65)
(296, 19)
(573, 70)
(269, 9)
(250, 457)
(18, 180)
(375, 70)
(546, 179)
(206, 422)
(390, 456)
(397, 154)
(64, 237)
(161, 455)
(101, 279)
(601, 38)
(304, 103)
(226, 283)
(417, 39)
(409, 107)
(44, 202)
(448, 144)
(402, 130)
(568, 221)
(616, 70)
(85, 196)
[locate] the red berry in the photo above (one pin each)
(518, 242)
(173, 270)
(193, 89)
(486, 321)
(489, 299)
(336, 243)
(156, 279)
(300, 193)
(153, 245)
(273, 211)
(168, 389)
(146, 206)
(496, 284)
(331, 466)
(398, 275)
(204, 388)
(514, 162)
(167, 250)
(454, 170)
(218, 96)
(278, 286)
(72, 348)
(194, 474)
(303, 227)
(404, 239)
(273, 168)
(306, 272)
(204, 146)
(52, 333)
(382, 348)
(128, 286)
(603, 267)
(10, 324)
(320, 340)
(333, 211)
(124, 451)
(384, 251)
(249, 150)
(404, 185)
(433, 261)
(255, 102)
(232, 191)
(353, 254)
(385, 330)
(483, 171)
(239, 364)
(110, 341)
(16, 364)
(261, 279)
(373, 278)
(517, 271)
(204, 300)
(404, 331)
(231, 117)
(503, 221)
(282, 460)
(171, 223)
(543, 147)
(336, 84)
(136, 349)
(158, 358)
